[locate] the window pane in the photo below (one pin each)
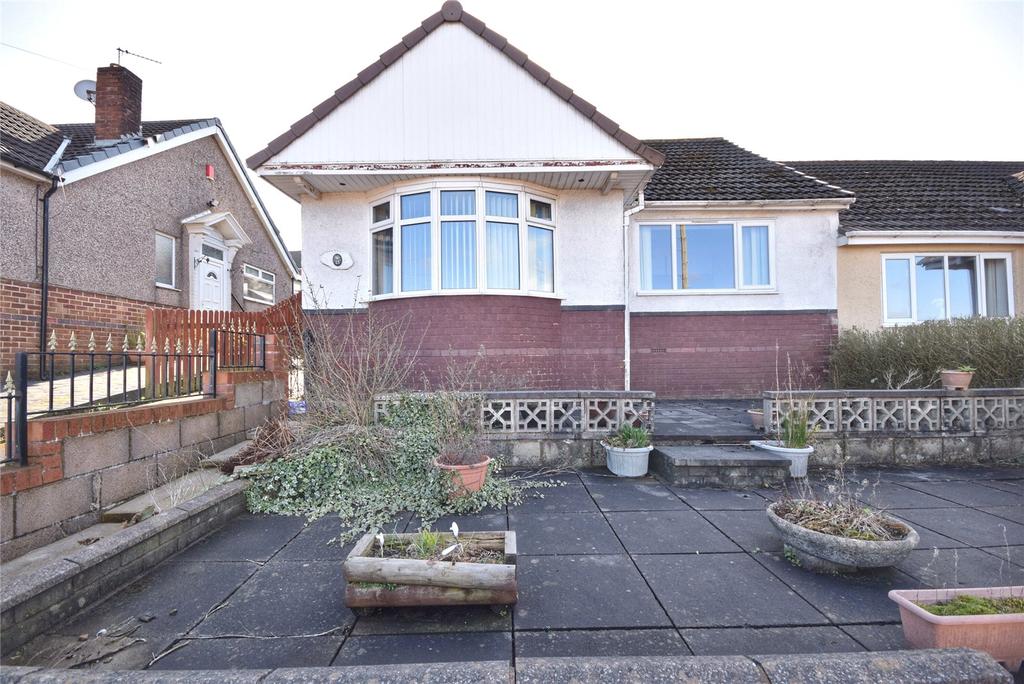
(458, 202)
(165, 260)
(213, 252)
(997, 293)
(458, 254)
(897, 289)
(931, 296)
(755, 255)
(258, 289)
(502, 255)
(383, 261)
(542, 259)
(963, 286)
(502, 204)
(415, 257)
(382, 212)
(705, 258)
(416, 206)
(540, 210)
(655, 257)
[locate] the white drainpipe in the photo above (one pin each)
(625, 286)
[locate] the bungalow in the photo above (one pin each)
(928, 240)
(101, 220)
(457, 183)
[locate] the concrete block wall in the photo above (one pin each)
(82, 464)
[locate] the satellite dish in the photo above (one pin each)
(86, 90)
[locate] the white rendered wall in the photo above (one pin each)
(453, 96)
(805, 263)
(588, 248)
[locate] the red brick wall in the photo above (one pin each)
(728, 355)
(69, 310)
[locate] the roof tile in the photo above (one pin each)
(472, 23)
(371, 72)
(391, 56)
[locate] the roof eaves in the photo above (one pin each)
(451, 11)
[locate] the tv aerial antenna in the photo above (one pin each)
(122, 51)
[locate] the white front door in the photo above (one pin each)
(214, 286)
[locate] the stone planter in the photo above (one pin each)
(956, 380)
(1001, 636)
(756, 418)
(467, 478)
(627, 462)
(375, 582)
(828, 553)
(797, 457)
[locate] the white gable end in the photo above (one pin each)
(453, 97)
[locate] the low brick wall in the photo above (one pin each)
(82, 464)
(47, 596)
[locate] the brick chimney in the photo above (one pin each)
(118, 103)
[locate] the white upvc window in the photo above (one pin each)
(166, 262)
(257, 284)
(942, 286)
(707, 257)
(452, 237)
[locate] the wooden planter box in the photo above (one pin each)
(375, 582)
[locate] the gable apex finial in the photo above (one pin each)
(451, 10)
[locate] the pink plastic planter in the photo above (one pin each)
(1001, 636)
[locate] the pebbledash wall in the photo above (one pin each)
(682, 345)
(84, 463)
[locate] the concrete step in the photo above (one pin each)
(163, 497)
(222, 457)
(716, 465)
(58, 550)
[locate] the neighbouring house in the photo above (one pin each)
(928, 240)
(457, 183)
(101, 220)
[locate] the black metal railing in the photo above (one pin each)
(15, 421)
(239, 350)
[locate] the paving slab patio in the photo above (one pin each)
(606, 567)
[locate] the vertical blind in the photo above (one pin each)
(458, 202)
(416, 206)
(415, 257)
(502, 204)
(755, 256)
(458, 254)
(383, 261)
(542, 259)
(502, 255)
(997, 302)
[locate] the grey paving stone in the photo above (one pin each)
(940, 568)
(669, 532)
(765, 640)
(968, 493)
(563, 534)
(568, 477)
(929, 539)
(1013, 554)
(285, 598)
(721, 499)
(1015, 486)
(1014, 513)
(448, 673)
(430, 619)
(599, 642)
(243, 654)
(967, 525)
(635, 496)
(860, 597)
(604, 476)
(317, 541)
(723, 590)
(470, 523)
(891, 495)
(750, 529)
(878, 637)
(247, 537)
(637, 669)
(584, 592)
(950, 666)
(568, 498)
(386, 649)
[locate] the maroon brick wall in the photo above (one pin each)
(593, 348)
(728, 355)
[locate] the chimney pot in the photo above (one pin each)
(118, 103)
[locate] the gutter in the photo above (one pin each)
(820, 203)
(627, 339)
(949, 237)
(44, 287)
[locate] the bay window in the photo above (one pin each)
(930, 287)
(706, 256)
(457, 237)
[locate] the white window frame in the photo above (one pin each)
(262, 273)
(979, 276)
(525, 193)
(737, 255)
(174, 262)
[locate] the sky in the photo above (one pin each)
(788, 79)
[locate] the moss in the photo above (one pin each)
(966, 604)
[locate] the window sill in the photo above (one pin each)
(257, 301)
(691, 293)
(161, 286)
(464, 293)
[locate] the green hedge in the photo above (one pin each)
(912, 356)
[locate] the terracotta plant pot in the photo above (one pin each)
(756, 418)
(1001, 636)
(467, 478)
(956, 380)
